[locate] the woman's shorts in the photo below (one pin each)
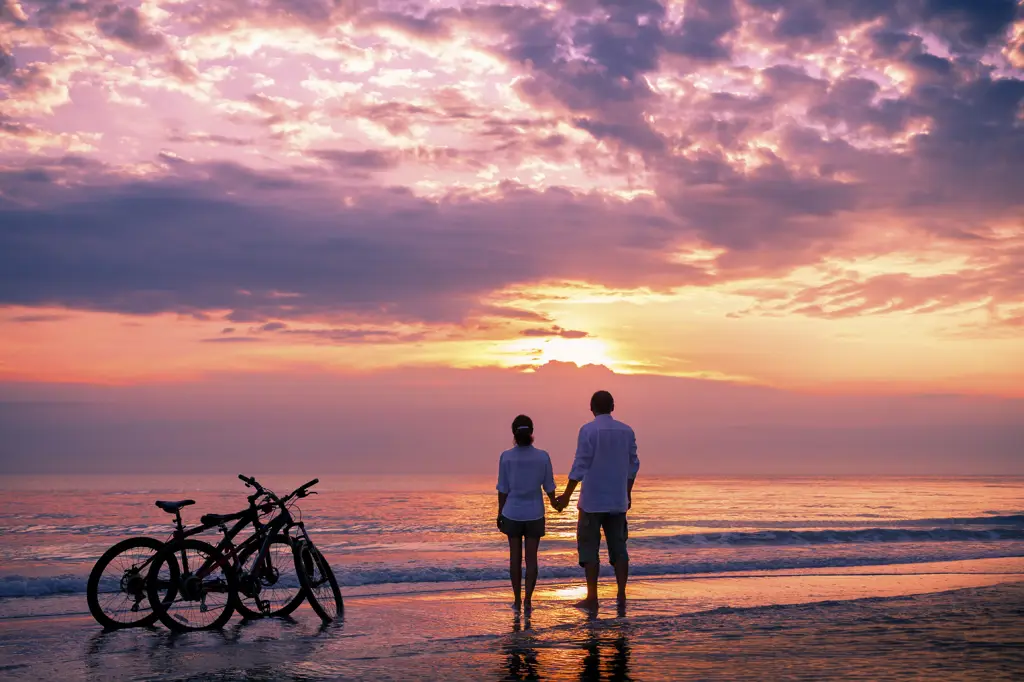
(523, 529)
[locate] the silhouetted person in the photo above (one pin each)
(523, 472)
(606, 463)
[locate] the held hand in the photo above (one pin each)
(499, 521)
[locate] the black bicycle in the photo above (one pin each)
(265, 580)
(193, 585)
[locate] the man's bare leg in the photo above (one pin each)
(592, 571)
(531, 570)
(622, 577)
(515, 568)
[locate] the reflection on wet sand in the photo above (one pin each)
(613, 665)
(600, 653)
(520, 651)
(264, 649)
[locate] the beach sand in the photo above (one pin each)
(953, 620)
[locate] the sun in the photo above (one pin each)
(582, 352)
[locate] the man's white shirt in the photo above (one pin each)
(605, 462)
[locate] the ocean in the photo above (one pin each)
(383, 533)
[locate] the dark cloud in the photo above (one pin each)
(30, 80)
(705, 26)
(209, 138)
(127, 25)
(592, 70)
(554, 331)
(30, 319)
(970, 23)
(182, 247)
(8, 126)
(350, 336)
(181, 70)
(316, 15)
(7, 62)
(366, 160)
(232, 339)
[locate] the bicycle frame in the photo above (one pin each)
(228, 553)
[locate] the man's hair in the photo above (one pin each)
(602, 403)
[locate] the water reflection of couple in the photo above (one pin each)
(523, 662)
(606, 463)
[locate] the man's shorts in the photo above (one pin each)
(523, 529)
(588, 536)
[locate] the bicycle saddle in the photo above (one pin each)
(216, 519)
(173, 507)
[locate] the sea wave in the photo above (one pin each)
(825, 537)
(863, 521)
(13, 586)
(1005, 524)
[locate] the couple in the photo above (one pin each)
(606, 463)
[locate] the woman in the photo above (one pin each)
(522, 472)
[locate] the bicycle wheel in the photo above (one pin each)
(318, 582)
(116, 591)
(191, 586)
(271, 588)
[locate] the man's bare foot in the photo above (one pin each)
(586, 604)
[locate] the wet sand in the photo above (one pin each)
(956, 620)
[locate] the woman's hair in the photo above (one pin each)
(522, 430)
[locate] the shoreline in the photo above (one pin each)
(858, 616)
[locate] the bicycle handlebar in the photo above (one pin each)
(301, 491)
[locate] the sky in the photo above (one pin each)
(789, 233)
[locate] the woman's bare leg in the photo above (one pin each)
(515, 567)
(531, 569)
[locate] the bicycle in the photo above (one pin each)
(132, 560)
(316, 576)
(184, 593)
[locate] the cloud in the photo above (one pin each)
(232, 339)
(774, 134)
(27, 319)
(181, 246)
(706, 24)
(128, 26)
(366, 160)
(554, 331)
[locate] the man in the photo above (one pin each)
(606, 463)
